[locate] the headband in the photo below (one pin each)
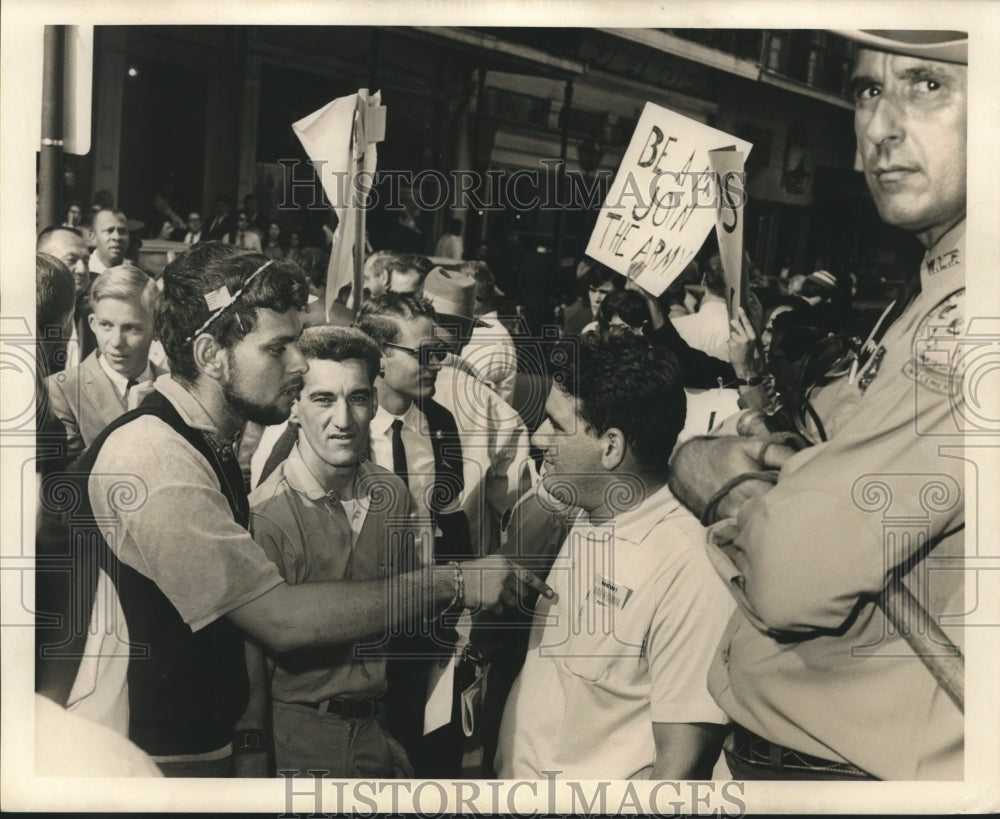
(220, 300)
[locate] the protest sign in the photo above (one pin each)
(727, 165)
(340, 140)
(662, 203)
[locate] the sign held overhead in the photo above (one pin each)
(664, 198)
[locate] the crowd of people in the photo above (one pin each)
(428, 540)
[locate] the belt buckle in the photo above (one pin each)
(352, 709)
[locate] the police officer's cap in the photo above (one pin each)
(946, 46)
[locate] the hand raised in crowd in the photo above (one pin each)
(742, 344)
(656, 315)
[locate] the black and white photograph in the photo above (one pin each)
(508, 407)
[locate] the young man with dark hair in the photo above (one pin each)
(243, 235)
(55, 302)
(464, 450)
(329, 513)
(598, 282)
(167, 498)
(613, 685)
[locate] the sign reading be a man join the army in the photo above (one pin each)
(666, 197)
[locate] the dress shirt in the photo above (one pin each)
(129, 395)
(419, 453)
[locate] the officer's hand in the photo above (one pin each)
(494, 582)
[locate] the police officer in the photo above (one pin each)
(818, 684)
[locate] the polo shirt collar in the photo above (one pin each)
(635, 525)
(303, 481)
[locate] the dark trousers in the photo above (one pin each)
(437, 755)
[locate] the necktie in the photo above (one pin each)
(398, 452)
(239, 239)
(128, 389)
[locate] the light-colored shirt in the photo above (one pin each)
(68, 745)
(245, 238)
(449, 246)
(95, 265)
(144, 383)
(312, 535)
(100, 690)
(497, 466)
(815, 551)
(626, 643)
(491, 353)
(708, 329)
(419, 453)
(163, 512)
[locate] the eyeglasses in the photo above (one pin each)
(425, 353)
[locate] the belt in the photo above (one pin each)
(755, 750)
(346, 709)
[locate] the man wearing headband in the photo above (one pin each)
(819, 683)
(169, 501)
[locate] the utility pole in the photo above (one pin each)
(50, 174)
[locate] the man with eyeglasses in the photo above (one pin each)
(418, 439)
(244, 235)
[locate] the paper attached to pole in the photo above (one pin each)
(663, 200)
(340, 140)
(727, 165)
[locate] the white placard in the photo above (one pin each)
(662, 203)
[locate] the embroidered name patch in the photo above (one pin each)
(936, 264)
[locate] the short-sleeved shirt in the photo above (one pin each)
(809, 660)
(627, 643)
(311, 536)
(164, 514)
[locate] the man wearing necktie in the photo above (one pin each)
(419, 438)
(194, 232)
(115, 377)
(244, 236)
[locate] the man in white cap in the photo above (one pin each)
(818, 681)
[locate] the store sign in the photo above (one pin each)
(664, 198)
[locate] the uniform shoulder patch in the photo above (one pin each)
(935, 342)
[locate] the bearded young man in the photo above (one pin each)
(166, 497)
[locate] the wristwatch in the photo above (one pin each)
(250, 741)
